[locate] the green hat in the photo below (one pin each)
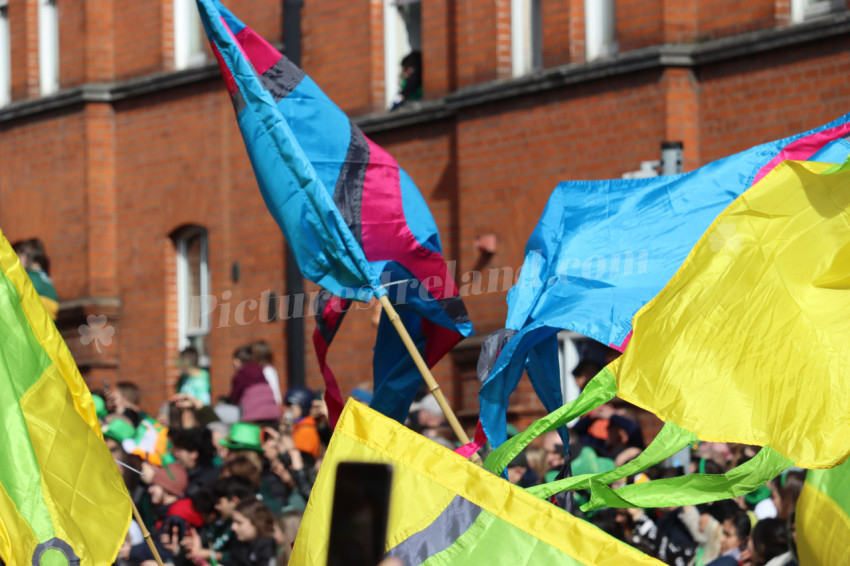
(588, 462)
(761, 493)
(99, 406)
(118, 430)
(243, 436)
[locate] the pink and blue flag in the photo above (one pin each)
(603, 249)
(353, 218)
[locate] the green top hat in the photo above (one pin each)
(243, 436)
(118, 430)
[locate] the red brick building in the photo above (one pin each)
(119, 148)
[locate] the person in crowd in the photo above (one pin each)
(287, 462)
(299, 422)
(262, 352)
(34, 260)
(769, 541)
(246, 459)
(251, 392)
(193, 448)
(288, 523)
(186, 411)
(166, 486)
(535, 456)
(608, 431)
(194, 380)
(666, 534)
(410, 80)
(585, 371)
(788, 487)
(734, 540)
(319, 412)
(213, 543)
(426, 414)
(520, 473)
(253, 525)
(553, 447)
(124, 400)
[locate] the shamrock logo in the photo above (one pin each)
(96, 330)
(724, 238)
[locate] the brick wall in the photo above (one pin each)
(106, 185)
(745, 102)
(639, 23)
(728, 17)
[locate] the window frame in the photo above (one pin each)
(48, 47)
(187, 335)
(5, 55)
(600, 20)
(526, 37)
(188, 27)
(802, 11)
(392, 54)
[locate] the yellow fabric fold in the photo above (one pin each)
(748, 341)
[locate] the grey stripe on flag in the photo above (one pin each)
(348, 193)
(439, 535)
(455, 308)
(490, 349)
(238, 101)
(281, 78)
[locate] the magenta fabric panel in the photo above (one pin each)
(386, 235)
(261, 54)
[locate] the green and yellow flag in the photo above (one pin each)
(62, 499)
(823, 517)
(446, 510)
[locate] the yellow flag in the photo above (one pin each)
(61, 495)
(446, 510)
(749, 341)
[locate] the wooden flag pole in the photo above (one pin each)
(433, 386)
(145, 533)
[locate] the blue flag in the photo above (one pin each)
(603, 249)
(353, 218)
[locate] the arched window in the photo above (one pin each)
(193, 287)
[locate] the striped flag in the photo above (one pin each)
(446, 510)
(60, 491)
(353, 218)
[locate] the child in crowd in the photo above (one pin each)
(194, 380)
(253, 525)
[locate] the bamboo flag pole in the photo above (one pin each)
(433, 386)
(145, 533)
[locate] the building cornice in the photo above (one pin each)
(656, 57)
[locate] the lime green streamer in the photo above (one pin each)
(684, 490)
(670, 440)
(22, 363)
(692, 489)
(599, 390)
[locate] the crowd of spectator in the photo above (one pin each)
(226, 482)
